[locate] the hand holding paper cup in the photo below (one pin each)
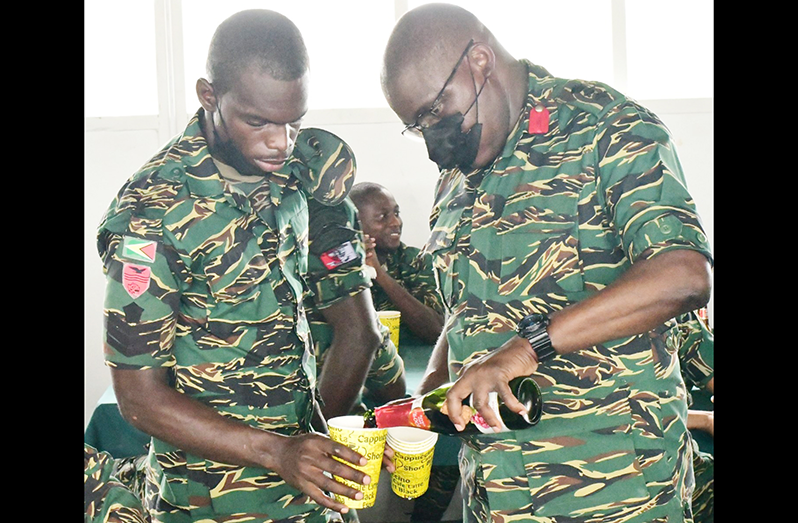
(391, 319)
(413, 449)
(370, 443)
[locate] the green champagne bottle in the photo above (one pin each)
(428, 411)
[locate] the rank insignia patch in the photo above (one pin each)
(137, 249)
(135, 279)
(336, 257)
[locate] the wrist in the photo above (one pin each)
(266, 447)
(534, 329)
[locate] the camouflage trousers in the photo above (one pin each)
(108, 489)
(704, 493)
(500, 485)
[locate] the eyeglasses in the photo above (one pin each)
(414, 130)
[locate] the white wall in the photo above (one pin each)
(113, 152)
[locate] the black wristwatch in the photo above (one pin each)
(534, 329)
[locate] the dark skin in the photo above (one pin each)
(260, 117)
(349, 356)
(652, 291)
(382, 226)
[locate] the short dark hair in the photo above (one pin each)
(258, 36)
(361, 192)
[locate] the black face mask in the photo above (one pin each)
(450, 147)
(447, 144)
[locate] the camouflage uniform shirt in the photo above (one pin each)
(336, 271)
(560, 214)
(413, 270)
(208, 282)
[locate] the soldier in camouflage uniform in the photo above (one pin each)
(566, 199)
(696, 344)
(405, 280)
(204, 251)
(353, 349)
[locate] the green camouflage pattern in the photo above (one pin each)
(335, 235)
(219, 304)
(704, 493)
(557, 217)
(696, 345)
(106, 497)
(413, 270)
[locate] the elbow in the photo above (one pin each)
(695, 282)
(371, 338)
(130, 411)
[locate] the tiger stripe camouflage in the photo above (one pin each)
(219, 304)
(336, 229)
(558, 216)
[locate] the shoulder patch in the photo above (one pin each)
(135, 279)
(338, 256)
(139, 250)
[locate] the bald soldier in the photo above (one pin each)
(565, 243)
(205, 249)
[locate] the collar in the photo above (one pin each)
(203, 178)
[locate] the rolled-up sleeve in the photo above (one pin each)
(643, 185)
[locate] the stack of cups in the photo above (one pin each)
(370, 443)
(413, 449)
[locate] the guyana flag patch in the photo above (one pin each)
(136, 249)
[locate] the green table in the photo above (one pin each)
(108, 431)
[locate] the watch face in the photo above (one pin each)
(533, 322)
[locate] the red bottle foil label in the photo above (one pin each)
(417, 416)
(407, 413)
(393, 414)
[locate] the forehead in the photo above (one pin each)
(257, 93)
(379, 200)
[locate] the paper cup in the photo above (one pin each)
(413, 449)
(391, 320)
(370, 443)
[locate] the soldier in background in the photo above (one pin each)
(404, 278)
(565, 241)
(204, 251)
(356, 359)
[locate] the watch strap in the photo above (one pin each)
(534, 329)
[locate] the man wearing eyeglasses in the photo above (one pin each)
(205, 249)
(565, 242)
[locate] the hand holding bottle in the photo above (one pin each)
(490, 373)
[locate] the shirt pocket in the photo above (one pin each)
(539, 251)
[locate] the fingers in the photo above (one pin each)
(387, 459)
(313, 461)
(480, 400)
(454, 403)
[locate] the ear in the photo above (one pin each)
(482, 60)
(206, 95)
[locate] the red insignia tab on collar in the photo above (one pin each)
(539, 120)
(338, 256)
(135, 279)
